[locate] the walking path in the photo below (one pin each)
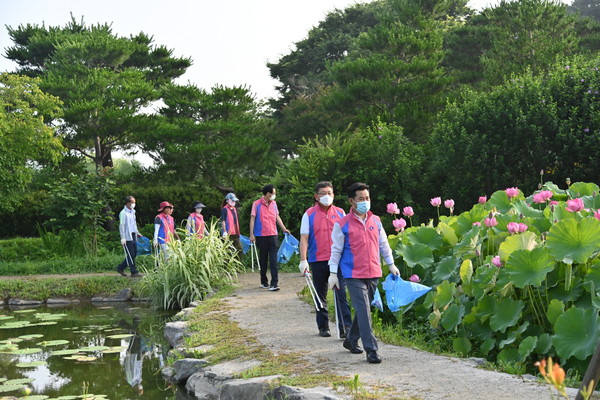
(284, 323)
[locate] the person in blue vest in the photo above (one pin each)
(129, 234)
(358, 239)
(315, 250)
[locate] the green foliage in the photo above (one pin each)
(25, 135)
(193, 269)
(542, 300)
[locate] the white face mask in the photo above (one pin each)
(273, 197)
(231, 203)
(326, 200)
(132, 205)
(198, 210)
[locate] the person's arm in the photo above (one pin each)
(304, 232)
(223, 224)
(156, 229)
(337, 245)
(252, 238)
(189, 226)
(123, 227)
(281, 225)
(386, 251)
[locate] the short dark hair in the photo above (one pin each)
(355, 187)
(323, 184)
(268, 189)
(129, 198)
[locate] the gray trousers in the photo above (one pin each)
(362, 292)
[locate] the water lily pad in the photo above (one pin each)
(68, 397)
(64, 352)
(20, 381)
(3, 317)
(10, 388)
(44, 323)
(35, 397)
(81, 358)
(33, 336)
(25, 311)
(11, 341)
(47, 343)
(122, 336)
(93, 348)
(31, 364)
(15, 324)
(49, 316)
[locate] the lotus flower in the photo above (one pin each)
(597, 215)
(477, 223)
(542, 196)
(399, 224)
(496, 261)
(512, 227)
(408, 211)
(512, 192)
(436, 201)
(482, 199)
(414, 278)
(575, 205)
(522, 227)
(449, 203)
(392, 208)
(490, 222)
(554, 203)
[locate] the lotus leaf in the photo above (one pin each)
(500, 200)
(527, 346)
(416, 254)
(444, 269)
(444, 293)
(523, 241)
(461, 345)
(593, 275)
(94, 348)
(556, 308)
(32, 336)
(20, 381)
(30, 310)
(577, 332)
(487, 345)
(448, 233)
(122, 336)
(513, 335)
(509, 355)
(574, 241)
(10, 388)
(544, 343)
(452, 316)
(527, 211)
(507, 313)
(529, 267)
(26, 351)
(4, 317)
(35, 397)
(427, 236)
(465, 221)
(579, 189)
(48, 343)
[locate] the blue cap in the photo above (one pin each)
(231, 196)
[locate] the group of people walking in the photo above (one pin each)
(339, 250)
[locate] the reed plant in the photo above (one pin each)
(195, 267)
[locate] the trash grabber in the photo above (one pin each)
(128, 256)
(338, 314)
(312, 294)
(252, 251)
(256, 256)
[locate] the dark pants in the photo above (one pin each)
(320, 275)
(130, 250)
(362, 292)
(267, 251)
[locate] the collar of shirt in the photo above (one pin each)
(362, 221)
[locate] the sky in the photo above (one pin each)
(229, 41)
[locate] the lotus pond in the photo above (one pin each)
(105, 352)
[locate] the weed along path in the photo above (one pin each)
(285, 324)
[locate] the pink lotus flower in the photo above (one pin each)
(512, 227)
(522, 227)
(554, 203)
(597, 215)
(414, 278)
(477, 223)
(512, 192)
(399, 224)
(392, 208)
(449, 204)
(408, 211)
(482, 199)
(575, 205)
(436, 201)
(490, 222)
(542, 196)
(496, 261)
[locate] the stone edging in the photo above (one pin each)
(121, 296)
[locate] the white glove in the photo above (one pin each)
(303, 267)
(155, 242)
(394, 270)
(123, 242)
(224, 234)
(333, 282)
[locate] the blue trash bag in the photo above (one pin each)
(288, 247)
(143, 245)
(377, 302)
(245, 241)
(399, 292)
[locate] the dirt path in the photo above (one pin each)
(284, 323)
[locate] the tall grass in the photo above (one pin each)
(195, 268)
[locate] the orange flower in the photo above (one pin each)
(558, 374)
(542, 366)
(553, 374)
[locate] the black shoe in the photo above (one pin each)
(136, 275)
(354, 348)
(324, 333)
(372, 357)
(122, 273)
(344, 333)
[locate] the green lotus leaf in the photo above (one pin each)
(444, 269)
(26, 351)
(31, 364)
(452, 316)
(591, 202)
(500, 200)
(544, 344)
(509, 355)
(484, 280)
(576, 333)
(556, 308)
(574, 241)
(90, 349)
(465, 221)
(444, 293)
(527, 346)
(461, 345)
(468, 246)
(485, 308)
(507, 313)
(4, 317)
(29, 310)
(47, 343)
(427, 236)
(19, 381)
(487, 345)
(466, 271)
(526, 267)
(417, 254)
(15, 324)
(32, 336)
(580, 189)
(527, 211)
(10, 388)
(448, 233)
(513, 335)
(593, 275)
(523, 241)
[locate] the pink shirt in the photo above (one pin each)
(317, 223)
(265, 213)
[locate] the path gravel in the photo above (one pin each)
(284, 323)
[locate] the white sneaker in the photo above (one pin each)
(264, 286)
(274, 288)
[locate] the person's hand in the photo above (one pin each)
(394, 270)
(224, 235)
(139, 235)
(123, 242)
(155, 243)
(303, 267)
(333, 282)
(286, 230)
(252, 238)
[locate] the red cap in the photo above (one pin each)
(164, 204)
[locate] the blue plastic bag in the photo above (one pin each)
(245, 241)
(288, 247)
(143, 245)
(399, 292)
(377, 302)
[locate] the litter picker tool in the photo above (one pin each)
(128, 256)
(254, 256)
(313, 292)
(339, 319)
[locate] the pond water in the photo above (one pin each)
(111, 351)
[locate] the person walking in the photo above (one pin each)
(164, 228)
(264, 219)
(315, 250)
(230, 224)
(357, 240)
(195, 222)
(129, 234)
